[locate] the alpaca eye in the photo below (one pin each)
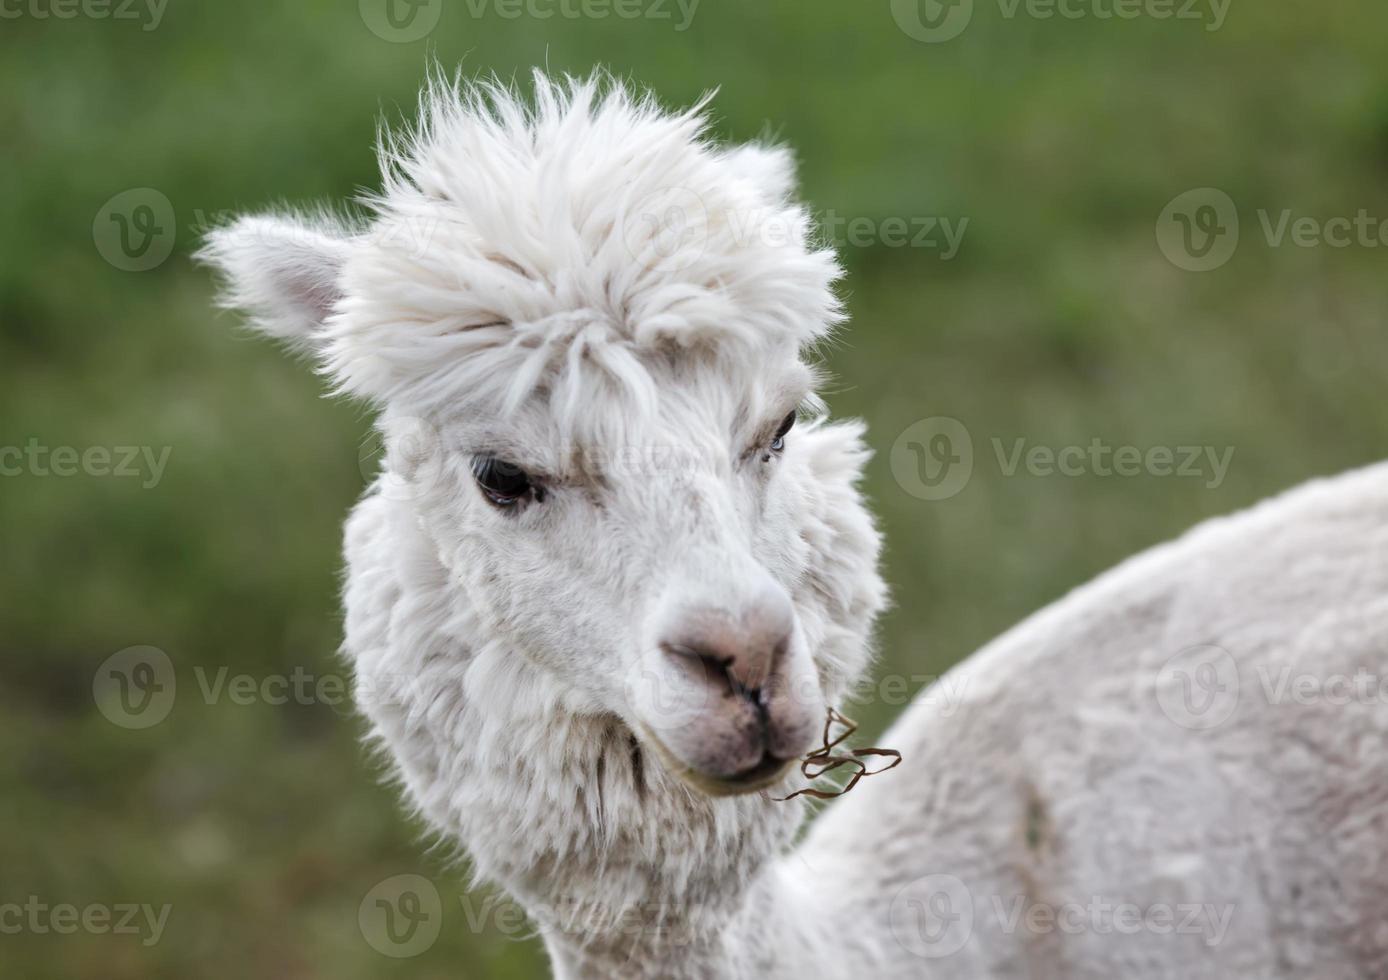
(501, 482)
(779, 442)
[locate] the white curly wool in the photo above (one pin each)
(586, 286)
(1178, 770)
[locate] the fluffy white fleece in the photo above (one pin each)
(588, 286)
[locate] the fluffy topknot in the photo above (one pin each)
(552, 244)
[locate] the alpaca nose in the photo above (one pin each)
(742, 647)
(735, 694)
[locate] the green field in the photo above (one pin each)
(1060, 321)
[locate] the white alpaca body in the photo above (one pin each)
(568, 668)
(1063, 781)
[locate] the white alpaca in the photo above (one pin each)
(601, 597)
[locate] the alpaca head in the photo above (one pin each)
(585, 327)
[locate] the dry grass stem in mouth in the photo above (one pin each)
(823, 760)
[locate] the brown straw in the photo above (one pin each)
(822, 760)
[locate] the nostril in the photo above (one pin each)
(706, 657)
(715, 667)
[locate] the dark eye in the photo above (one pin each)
(779, 442)
(503, 483)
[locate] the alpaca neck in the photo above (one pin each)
(626, 871)
(758, 933)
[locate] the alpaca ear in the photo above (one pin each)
(282, 271)
(770, 168)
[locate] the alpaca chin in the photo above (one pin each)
(764, 775)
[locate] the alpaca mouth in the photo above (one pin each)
(768, 771)
(765, 773)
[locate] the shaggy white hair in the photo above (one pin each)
(516, 245)
(588, 287)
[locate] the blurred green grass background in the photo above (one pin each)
(1058, 322)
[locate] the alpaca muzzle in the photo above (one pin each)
(733, 698)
